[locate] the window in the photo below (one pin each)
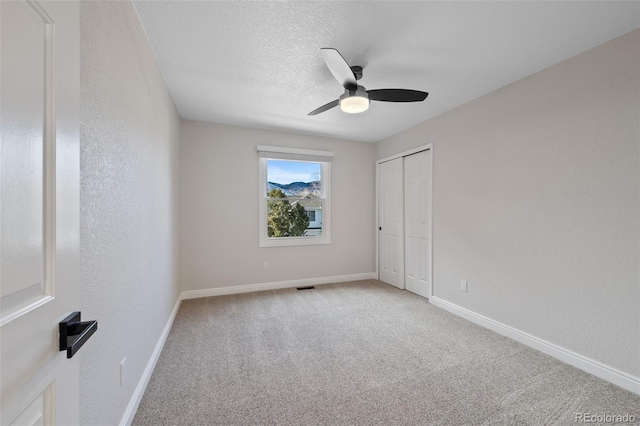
(294, 196)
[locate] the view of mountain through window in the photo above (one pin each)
(294, 178)
(294, 198)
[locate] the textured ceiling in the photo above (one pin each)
(258, 64)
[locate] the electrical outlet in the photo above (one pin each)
(266, 265)
(463, 285)
(123, 370)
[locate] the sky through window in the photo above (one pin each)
(285, 172)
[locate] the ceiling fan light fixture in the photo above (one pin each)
(354, 104)
(354, 101)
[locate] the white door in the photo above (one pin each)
(417, 213)
(39, 192)
(391, 217)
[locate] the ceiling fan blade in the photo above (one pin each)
(397, 95)
(325, 107)
(339, 67)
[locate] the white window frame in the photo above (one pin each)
(294, 154)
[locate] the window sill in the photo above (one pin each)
(293, 241)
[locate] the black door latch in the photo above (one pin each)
(74, 334)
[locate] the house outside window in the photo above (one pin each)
(294, 196)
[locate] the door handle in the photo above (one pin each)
(74, 334)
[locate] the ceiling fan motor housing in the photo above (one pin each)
(354, 101)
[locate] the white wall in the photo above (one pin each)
(129, 216)
(537, 203)
(219, 177)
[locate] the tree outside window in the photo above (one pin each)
(285, 219)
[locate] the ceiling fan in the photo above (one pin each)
(355, 98)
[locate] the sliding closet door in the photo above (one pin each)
(391, 226)
(417, 213)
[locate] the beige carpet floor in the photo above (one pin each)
(359, 353)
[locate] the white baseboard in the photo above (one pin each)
(598, 369)
(248, 288)
(134, 402)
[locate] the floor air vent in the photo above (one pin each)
(305, 288)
